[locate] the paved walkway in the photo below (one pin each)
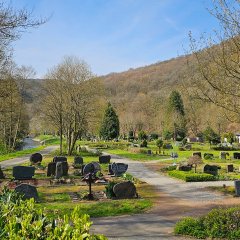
(23, 159)
(176, 199)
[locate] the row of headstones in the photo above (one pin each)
(36, 158)
(104, 159)
(223, 155)
(210, 169)
(121, 190)
(116, 169)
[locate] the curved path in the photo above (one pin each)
(176, 199)
(25, 158)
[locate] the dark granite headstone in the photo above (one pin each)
(185, 168)
(104, 159)
(51, 170)
(78, 160)
(59, 159)
(1, 173)
(168, 146)
(36, 158)
(236, 155)
(208, 156)
(64, 168)
(92, 167)
(125, 190)
(230, 168)
(174, 155)
(197, 154)
(97, 167)
(59, 170)
(119, 168)
(28, 191)
(23, 172)
(237, 187)
(149, 152)
(88, 168)
(211, 169)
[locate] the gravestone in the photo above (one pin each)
(78, 160)
(185, 168)
(223, 155)
(97, 167)
(125, 190)
(51, 169)
(230, 168)
(59, 170)
(23, 172)
(104, 159)
(237, 187)
(211, 169)
(59, 159)
(64, 168)
(149, 152)
(197, 154)
(174, 155)
(236, 155)
(28, 191)
(168, 146)
(36, 158)
(92, 167)
(88, 168)
(208, 156)
(1, 173)
(110, 171)
(119, 168)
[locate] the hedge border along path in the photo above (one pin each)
(192, 177)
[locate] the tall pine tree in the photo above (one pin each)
(176, 110)
(110, 124)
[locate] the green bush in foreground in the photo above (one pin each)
(192, 177)
(218, 223)
(21, 219)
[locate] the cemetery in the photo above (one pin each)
(109, 148)
(99, 186)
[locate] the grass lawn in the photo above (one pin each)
(48, 139)
(20, 153)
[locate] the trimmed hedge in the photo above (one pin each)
(192, 177)
(218, 223)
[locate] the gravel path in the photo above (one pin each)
(176, 199)
(20, 160)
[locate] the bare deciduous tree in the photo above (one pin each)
(71, 101)
(217, 74)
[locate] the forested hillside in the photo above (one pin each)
(141, 98)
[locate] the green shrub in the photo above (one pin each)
(21, 219)
(192, 177)
(128, 177)
(190, 226)
(109, 189)
(218, 223)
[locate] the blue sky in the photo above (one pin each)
(110, 35)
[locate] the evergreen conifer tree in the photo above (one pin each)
(110, 124)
